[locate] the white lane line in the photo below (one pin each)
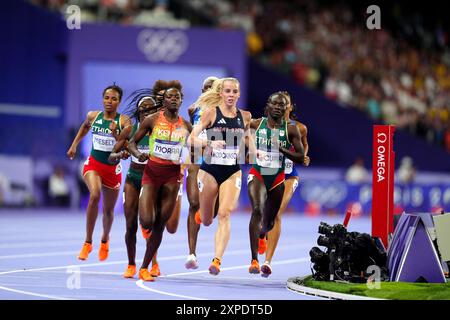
(141, 285)
(169, 258)
(34, 294)
(234, 252)
(75, 253)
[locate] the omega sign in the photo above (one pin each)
(162, 45)
(381, 156)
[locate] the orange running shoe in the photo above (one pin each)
(145, 232)
(214, 268)
(145, 275)
(262, 245)
(155, 272)
(198, 219)
(254, 267)
(103, 251)
(84, 253)
(130, 272)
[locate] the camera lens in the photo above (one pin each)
(318, 257)
(324, 241)
(324, 228)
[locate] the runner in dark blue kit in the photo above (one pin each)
(193, 222)
(220, 174)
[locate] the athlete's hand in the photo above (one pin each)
(113, 126)
(306, 161)
(125, 154)
(143, 157)
(114, 158)
(71, 152)
(218, 144)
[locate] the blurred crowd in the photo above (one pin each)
(328, 47)
(131, 12)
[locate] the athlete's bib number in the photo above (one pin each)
(103, 143)
(268, 159)
(167, 150)
(142, 149)
(288, 166)
(224, 157)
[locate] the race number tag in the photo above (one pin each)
(103, 142)
(118, 169)
(268, 159)
(167, 150)
(200, 185)
(294, 186)
(288, 166)
(238, 183)
(224, 157)
(250, 178)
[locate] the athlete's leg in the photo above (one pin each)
(94, 184)
(147, 206)
(193, 197)
(274, 235)
(258, 195)
(131, 197)
(172, 223)
(270, 211)
(169, 192)
(229, 194)
(208, 191)
(109, 202)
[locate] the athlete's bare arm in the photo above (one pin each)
(298, 155)
(119, 150)
(250, 138)
(84, 129)
(145, 127)
(206, 121)
(191, 111)
(304, 132)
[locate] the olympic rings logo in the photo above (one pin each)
(162, 45)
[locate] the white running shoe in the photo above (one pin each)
(266, 269)
(191, 262)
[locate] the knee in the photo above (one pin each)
(194, 206)
(172, 228)
(278, 220)
(94, 197)
(129, 209)
(131, 225)
(223, 215)
(257, 211)
(146, 222)
(207, 221)
(268, 227)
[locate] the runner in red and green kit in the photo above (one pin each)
(99, 175)
(161, 180)
(273, 139)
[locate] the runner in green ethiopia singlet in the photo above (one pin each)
(270, 161)
(103, 139)
(134, 175)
